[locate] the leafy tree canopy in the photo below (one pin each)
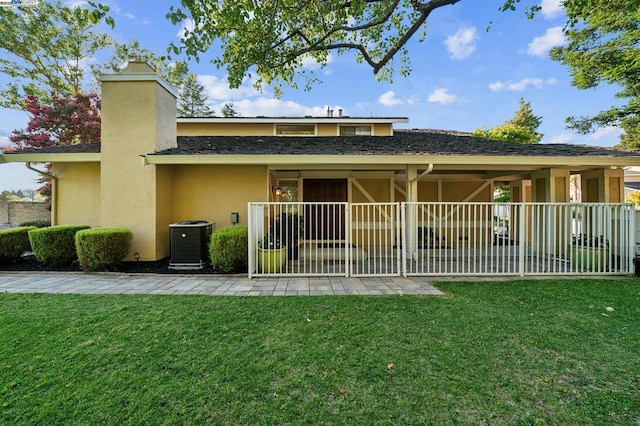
(604, 41)
(42, 48)
(175, 73)
(270, 40)
(68, 121)
(522, 128)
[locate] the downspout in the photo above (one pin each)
(423, 174)
(54, 189)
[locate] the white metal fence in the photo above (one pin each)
(380, 239)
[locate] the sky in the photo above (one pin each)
(463, 77)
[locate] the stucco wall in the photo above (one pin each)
(138, 117)
(212, 193)
(77, 194)
(453, 191)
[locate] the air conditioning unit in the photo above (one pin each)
(189, 242)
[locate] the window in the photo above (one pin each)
(289, 190)
(355, 130)
(295, 129)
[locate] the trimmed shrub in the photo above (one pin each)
(37, 223)
(13, 243)
(228, 250)
(102, 249)
(56, 245)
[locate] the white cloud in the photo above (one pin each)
(389, 99)
(540, 46)
(310, 63)
(271, 107)
(561, 138)
(75, 3)
(606, 132)
(442, 96)
(521, 85)
(461, 44)
(187, 25)
(218, 88)
(551, 8)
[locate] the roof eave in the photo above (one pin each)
(275, 120)
(43, 157)
(391, 160)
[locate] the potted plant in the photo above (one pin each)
(271, 254)
(588, 252)
(288, 227)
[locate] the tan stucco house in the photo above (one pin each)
(152, 170)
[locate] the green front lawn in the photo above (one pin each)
(520, 352)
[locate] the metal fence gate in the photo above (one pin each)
(383, 239)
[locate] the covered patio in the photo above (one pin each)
(442, 239)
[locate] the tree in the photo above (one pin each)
(275, 37)
(633, 198)
(43, 48)
(522, 128)
(68, 121)
(229, 110)
(604, 41)
(525, 118)
(175, 73)
(193, 100)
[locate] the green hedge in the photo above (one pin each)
(228, 250)
(13, 243)
(102, 249)
(55, 245)
(37, 223)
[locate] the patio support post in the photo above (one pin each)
(602, 186)
(410, 215)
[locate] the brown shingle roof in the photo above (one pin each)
(401, 143)
(81, 148)
(429, 143)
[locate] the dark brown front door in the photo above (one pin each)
(325, 222)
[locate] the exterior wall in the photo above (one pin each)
(225, 129)
(453, 191)
(383, 129)
(138, 117)
(375, 190)
(268, 129)
(76, 194)
(16, 212)
(603, 186)
(550, 186)
(164, 211)
(326, 129)
(212, 193)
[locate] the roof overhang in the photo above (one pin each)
(289, 120)
(44, 157)
(394, 160)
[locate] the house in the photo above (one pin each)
(152, 170)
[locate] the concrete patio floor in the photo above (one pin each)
(222, 285)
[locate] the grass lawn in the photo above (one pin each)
(521, 352)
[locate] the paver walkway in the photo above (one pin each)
(110, 283)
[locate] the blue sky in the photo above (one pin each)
(463, 77)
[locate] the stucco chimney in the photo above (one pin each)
(138, 117)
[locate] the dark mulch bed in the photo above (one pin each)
(30, 264)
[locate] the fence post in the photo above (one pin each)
(250, 240)
(402, 237)
(348, 266)
(521, 237)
